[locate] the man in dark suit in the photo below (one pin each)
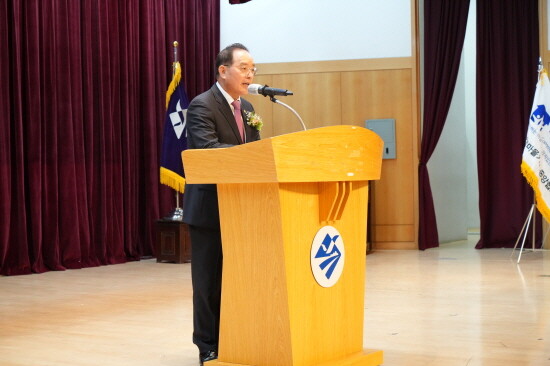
(211, 123)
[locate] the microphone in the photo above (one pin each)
(257, 89)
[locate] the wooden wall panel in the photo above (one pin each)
(387, 94)
(316, 98)
(338, 65)
(325, 97)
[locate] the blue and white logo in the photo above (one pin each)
(540, 116)
(327, 256)
(179, 119)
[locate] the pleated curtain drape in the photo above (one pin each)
(507, 59)
(444, 30)
(507, 53)
(82, 100)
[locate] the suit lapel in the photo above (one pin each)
(227, 113)
(248, 130)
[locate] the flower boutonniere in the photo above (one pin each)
(254, 120)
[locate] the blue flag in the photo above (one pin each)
(175, 134)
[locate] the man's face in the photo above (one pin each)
(236, 78)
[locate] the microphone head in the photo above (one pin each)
(254, 89)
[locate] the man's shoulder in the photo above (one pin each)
(205, 96)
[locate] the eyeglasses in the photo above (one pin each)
(245, 70)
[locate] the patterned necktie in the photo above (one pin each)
(239, 117)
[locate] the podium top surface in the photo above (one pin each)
(325, 154)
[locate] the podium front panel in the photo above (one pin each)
(273, 310)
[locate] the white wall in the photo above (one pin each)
(447, 169)
(318, 30)
(472, 189)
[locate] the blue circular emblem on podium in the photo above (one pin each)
(327, 256)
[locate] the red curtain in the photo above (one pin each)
(82, 98)
(444, 30)
(507, 58)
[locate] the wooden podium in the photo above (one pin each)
(274, 197)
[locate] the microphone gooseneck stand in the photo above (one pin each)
(277, 101)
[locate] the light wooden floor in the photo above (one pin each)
(449, 306)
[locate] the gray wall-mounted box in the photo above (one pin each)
(385, 128)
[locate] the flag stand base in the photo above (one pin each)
(525, 230)
(177, 215)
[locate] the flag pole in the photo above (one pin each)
(534, 231)
(540, 68)
(173, 73)
(177, 215)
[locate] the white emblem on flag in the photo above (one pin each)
(178, 119)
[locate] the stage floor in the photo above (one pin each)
(453, 305)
